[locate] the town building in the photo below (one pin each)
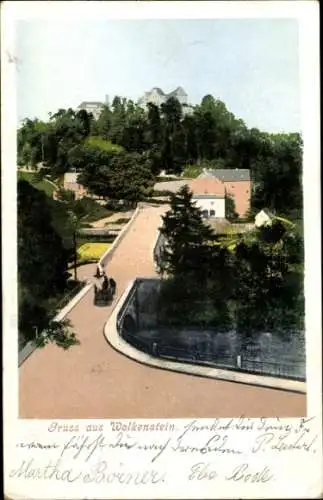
(209, 196)
(212, 188)
(237, 184)
(71, 184)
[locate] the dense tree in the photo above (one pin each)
(122, 176)
(53, 142)
(183, 262)
(154, 129)
(219, 289)
(269, 277)
(95, 171)
(130, 177)
(103, 124)
(230, 209)
(84, 119)
(206, 127)
(42, 258)
(192, 145)
(38, 244)
(212, 284)
(279, 179)
(173, 145)
(118, 120)
(172, 114)
(197, 271)
(186, 235)
(31, 141)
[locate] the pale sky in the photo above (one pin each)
(251, 65)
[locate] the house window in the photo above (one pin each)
(205, 214)
(212, 213)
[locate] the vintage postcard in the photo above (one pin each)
(161, 250)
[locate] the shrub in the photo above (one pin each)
(59, 333)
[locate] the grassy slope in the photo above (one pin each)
(94, 210)
(44, 185)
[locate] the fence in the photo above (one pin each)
(240, 363)
(129, 328)
(285, 370)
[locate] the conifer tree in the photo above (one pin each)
(187, 238)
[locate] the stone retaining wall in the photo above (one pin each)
(269, 353)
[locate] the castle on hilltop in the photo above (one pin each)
(158, 97)
(154, 96)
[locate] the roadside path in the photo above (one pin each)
(92, 380)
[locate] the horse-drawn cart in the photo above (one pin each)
(104, 292)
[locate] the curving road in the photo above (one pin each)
(92, 380)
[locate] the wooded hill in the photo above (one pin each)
(120, 154)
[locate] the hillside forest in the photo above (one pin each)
(119, 155)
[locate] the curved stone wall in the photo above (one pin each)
(122, 335)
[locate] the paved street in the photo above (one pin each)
(92, 380)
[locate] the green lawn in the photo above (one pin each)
(92, 251)
(44, 185)
(94, 210)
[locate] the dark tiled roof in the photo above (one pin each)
(228, 175)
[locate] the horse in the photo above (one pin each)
(112, 285)
(106, 283)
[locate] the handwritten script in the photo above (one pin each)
(137, 453)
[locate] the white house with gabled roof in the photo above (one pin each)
(209, 197)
